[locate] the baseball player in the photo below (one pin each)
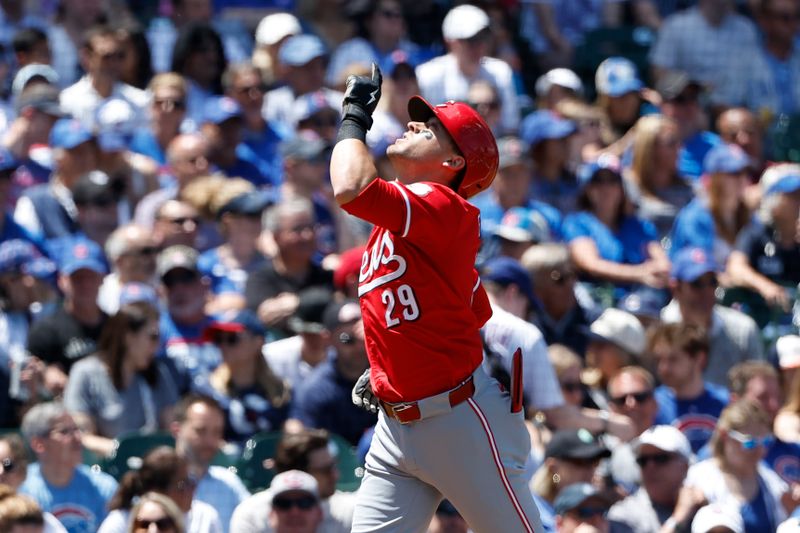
(445, 428)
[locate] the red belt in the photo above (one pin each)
(408, 412)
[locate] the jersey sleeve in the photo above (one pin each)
(384, 204)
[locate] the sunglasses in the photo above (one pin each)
(179, 277)
(685, 99)
(750, 442)
(284, 504)
(391, 14)
(659, 459)
(251, 89)
(181, 221)
(8, 465)
(66, 432)
(162, 524)
(227, 338)
(113, 56)
(572, 386)
(143, 251)
(638, 397)
(584, 513)
(605, 179)
(708, 283)
(168, 104)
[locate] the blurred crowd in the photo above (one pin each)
(174, 269)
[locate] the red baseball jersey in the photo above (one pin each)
(421, 298)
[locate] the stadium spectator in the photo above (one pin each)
(320, 400)
(19, 513)
(561, 318)
(176, 223)
(739, 125)
(167, 109)
(198, 428)
(732, 336)
(166, 472)
(155, 509)
(767, 254)
(30, 47)
(302, 59)
(293, 358)
(556, 85)
(272, 291)
(184, 320)
(547, 136)
(467, 36)
(709, 41)
(295, 504)
(223, 128)
(47, 210)
(519, 229)
(102, 58)
(58, 481)
(787, 422)
(607, 244)
(484, 97)
(618, 94)
(97, 204)
(772, 88)
(73, 329)
(314, 116)
(663, 455)
(121, 388)
(685, 399)
(680, 100)
(568, 367)
(735, 475)
(631, 393)
(243, 83)
(308, 451)
(718, 517)
(660, 190)
(716, 217)
(271, 32)
(593, 133)
(137, 64)
(72, 19)
(581, 507)
(253, 397)
(131, 252)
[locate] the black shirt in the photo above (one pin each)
(758, 242)
(60, 338)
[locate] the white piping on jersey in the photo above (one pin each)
(408, 206)
(474, 288)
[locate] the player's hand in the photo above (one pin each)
(362, 395)
(361, 96)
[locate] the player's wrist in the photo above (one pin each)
(352, 128)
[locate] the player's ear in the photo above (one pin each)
(455, 163)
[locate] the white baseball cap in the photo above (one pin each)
(294, 480)
(275, 27)
(717, 515)
(791, 525)
(666, 438)
(620, 328)
(563, 77)
(464, 22)
(788, 349)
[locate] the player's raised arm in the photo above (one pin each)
(352, 167)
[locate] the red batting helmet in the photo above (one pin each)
(471, 135)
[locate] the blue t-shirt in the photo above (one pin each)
(694, 226)
(264, 151)
(697, 417)
(755, 515)
(145, 143)
(224, 279)
(492, 213)
(245, 167)
(626, 245)
(784, 459)
(191, 353)
(546, 514)
(693, 152)
(81, 505)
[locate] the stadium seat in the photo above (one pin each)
(350, 468)
(251, 467)
(129, 450)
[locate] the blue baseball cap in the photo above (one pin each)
(727, 159)
(520, 224)
(244, 320)
(218, 109)
(572, 496)
(692, 262)
(80, 252)
(250, 203)
(68, 133)
(138, 292)
(544, 124)
(298, 50)
(781, 178)
(616, 76)
(588, 171)
(506, 271)
(18, 255)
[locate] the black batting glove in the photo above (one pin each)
(361, 97)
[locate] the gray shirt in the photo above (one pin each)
(115, 412)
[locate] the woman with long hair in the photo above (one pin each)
(654, 172)
(735, 475)
(253, 397)
(122, 388)
(165, 472)
(714, 219)
(156, 509)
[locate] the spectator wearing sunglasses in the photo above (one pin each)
(685, 399)
(122, 388)
(154, 509)
(312, 112)
(663, 455)
(131, 251)
(582, 507)
(733, 337)
(321, 399)
(166, 113)
(184, 321)
(254, 398)
(14, 464)
(176, 223)
(165, 472)
(735, 474)
(295, 503)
